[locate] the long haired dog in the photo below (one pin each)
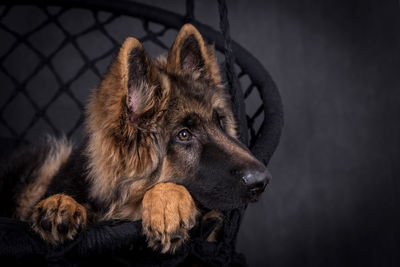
(157, 129)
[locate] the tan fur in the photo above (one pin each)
(113, 149)
(168, 212)
(124, 155)
(59, 209)
(60, 151)
(129, 205)
(219, 101)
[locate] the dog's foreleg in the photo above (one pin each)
(168, 213)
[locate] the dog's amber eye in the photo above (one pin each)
(184, 135)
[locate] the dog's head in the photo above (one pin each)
(170, 120)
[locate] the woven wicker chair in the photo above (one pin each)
(260, 121)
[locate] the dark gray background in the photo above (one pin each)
(334, 197)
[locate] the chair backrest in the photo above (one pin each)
(54, 56)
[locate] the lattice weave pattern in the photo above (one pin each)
(53, 57)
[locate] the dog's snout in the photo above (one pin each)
(256, 180)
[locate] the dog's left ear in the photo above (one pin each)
(190, 55)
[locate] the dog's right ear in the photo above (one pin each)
(128, 91)
(137, 78)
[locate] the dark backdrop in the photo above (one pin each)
(334, 196)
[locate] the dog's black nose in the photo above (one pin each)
(256, 181)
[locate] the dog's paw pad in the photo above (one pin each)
(58, 218)
(169, 212)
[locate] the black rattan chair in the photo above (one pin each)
(116, 241)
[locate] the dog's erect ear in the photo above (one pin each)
(136, 70)
(190, 55)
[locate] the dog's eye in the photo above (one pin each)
(184, 135)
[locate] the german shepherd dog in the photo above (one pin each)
(161, 144)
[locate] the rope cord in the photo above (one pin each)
(189, 17)
(235, 91)
(234, 217)
(225, 29)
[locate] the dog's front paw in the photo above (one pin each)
(168, 213)
(58, 217)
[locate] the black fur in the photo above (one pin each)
(190, 58)
(16, 171)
